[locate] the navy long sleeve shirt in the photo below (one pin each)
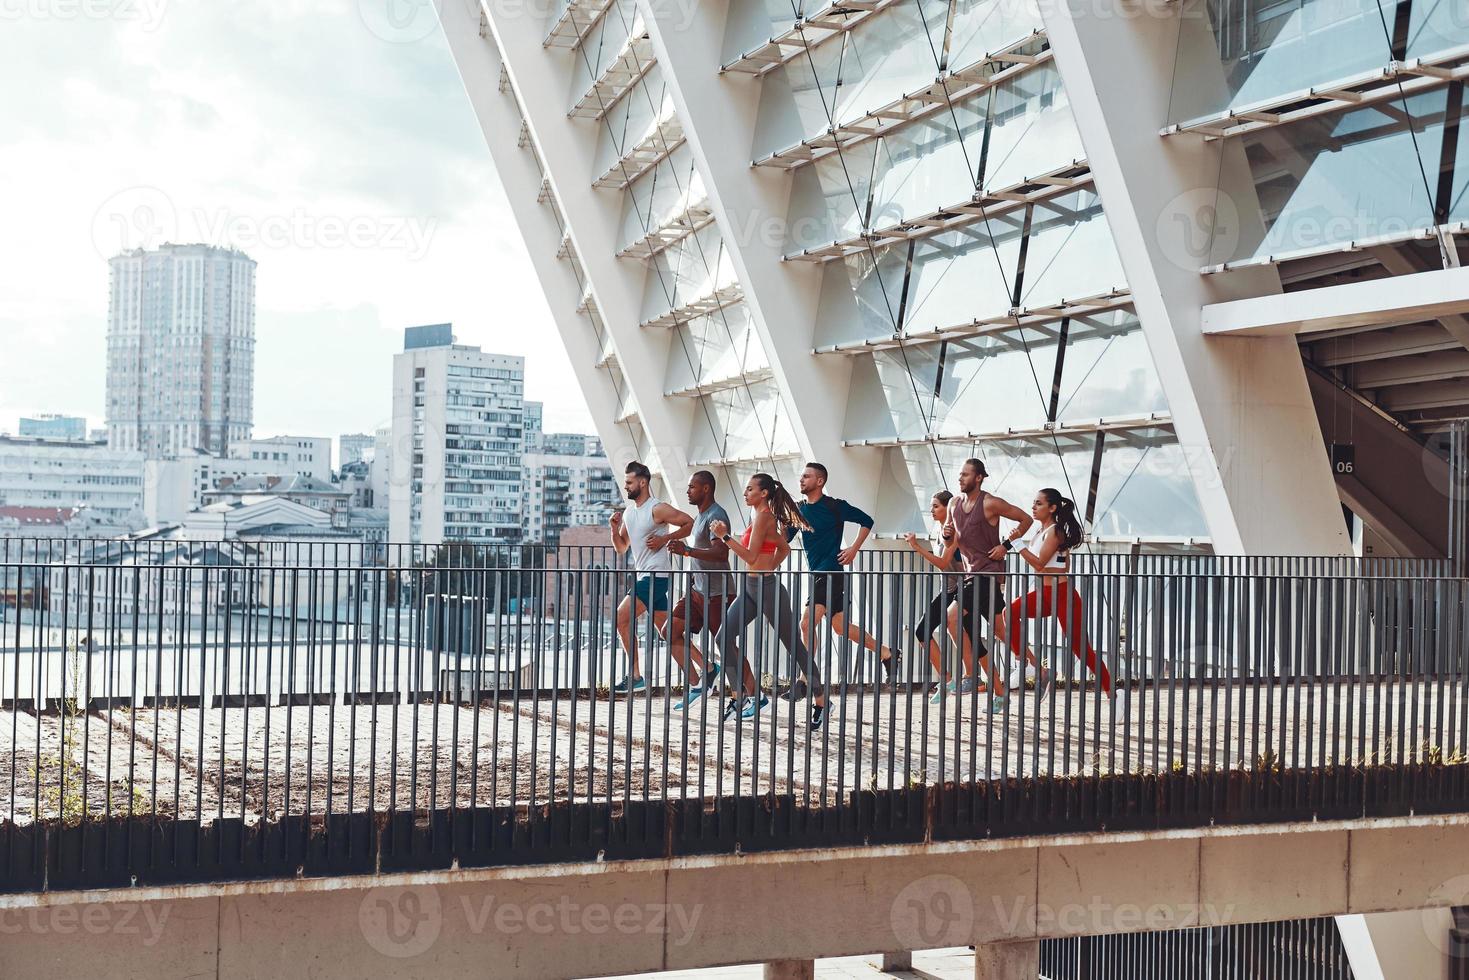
(828, 518)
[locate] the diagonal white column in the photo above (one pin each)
(1240, 405)
(540, 77)
(750, 205)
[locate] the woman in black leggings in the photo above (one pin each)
(937, 615)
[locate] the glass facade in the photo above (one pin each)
(1348, 112)
(980, 310)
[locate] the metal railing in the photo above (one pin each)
(175, 721)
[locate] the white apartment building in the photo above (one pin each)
(180, 350)
(560, 490)
(457, 441)
(76, 475)
(297, 455)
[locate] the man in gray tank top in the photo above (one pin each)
(701, 611)
(640, 530)
(974, 530)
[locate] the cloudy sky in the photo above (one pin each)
(329, 139)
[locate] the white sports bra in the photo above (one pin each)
(1032, 543)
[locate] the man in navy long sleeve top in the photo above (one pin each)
(827, 559)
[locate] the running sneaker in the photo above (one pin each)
(796, 692)
(818, 716)
(730, 707)
(997, 703)
(630, 684)
(968, 685)
(890, 666)
(940, 691)
(697, 691)
(1045, 684)
(753, 707)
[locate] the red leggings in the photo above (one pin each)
(1068, 612)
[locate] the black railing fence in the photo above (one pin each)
(167, 718)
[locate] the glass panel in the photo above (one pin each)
(632, 120)
(739, 423)
(829, 199)
(1108, 371)
(928, 165)
(661, 196)
(964, 275)
(1032, 131)
(1335, 179)
(693, 269)
(716, 347)
(1071, 254)
(796, 99)
(1145, 489)
(751, 23)
(602, 46)
(1437, 25)
(860, 298)
(982, 26)
(890, 55)
(991, 383)
(1235, 53)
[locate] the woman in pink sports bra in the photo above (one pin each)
(762, 595)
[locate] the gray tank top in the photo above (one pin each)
(639, 524)
(976, 536)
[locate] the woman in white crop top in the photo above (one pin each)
(1047, 549)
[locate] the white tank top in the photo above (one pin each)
(639, 524)
(1036, 537)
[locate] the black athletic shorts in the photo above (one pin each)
(979, 597)
(829, 589)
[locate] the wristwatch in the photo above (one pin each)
(1008, 544)
(724, 537)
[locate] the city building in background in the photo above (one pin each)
(74, 476)
(69, 427)
(535, 425)
(302, 455)
(923, 232)
(354, 447)
(563, 489)
(456, 442)
(180, 350)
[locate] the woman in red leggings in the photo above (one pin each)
(1047, 549)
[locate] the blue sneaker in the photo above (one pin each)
(968, 685)
(997, 703)
(630, 684)
(753, 707)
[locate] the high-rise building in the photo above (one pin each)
(180, 350)
(1060, 238)
(354, 447)
(54, 427)
(457, 441)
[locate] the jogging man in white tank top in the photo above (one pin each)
(640, 529)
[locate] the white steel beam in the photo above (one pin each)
(1401, 298)
(614, 288)
(719, 114)
(1240, 405)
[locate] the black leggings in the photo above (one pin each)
(937, 618)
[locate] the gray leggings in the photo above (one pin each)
(763, 596)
